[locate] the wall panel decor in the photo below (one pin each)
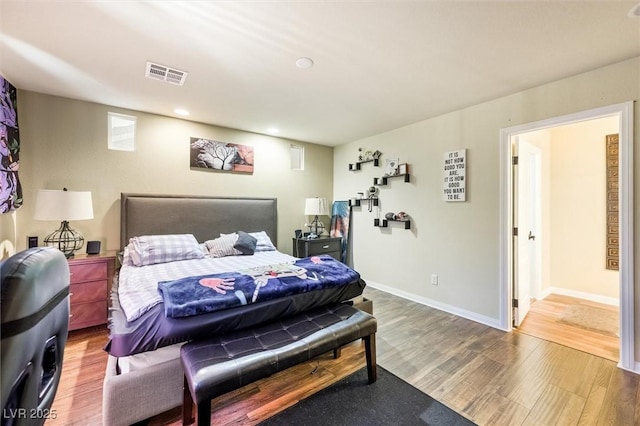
(613, 247)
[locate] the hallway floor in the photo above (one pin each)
(547, 319)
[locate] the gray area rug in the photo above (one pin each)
(592, 318)
(352, 401)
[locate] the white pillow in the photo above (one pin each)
(152, 249)
(264, 242)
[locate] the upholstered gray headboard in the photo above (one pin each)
(204, 217)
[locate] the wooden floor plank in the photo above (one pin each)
(544, 321)
(489, 376)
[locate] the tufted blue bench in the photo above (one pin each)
(216, 366)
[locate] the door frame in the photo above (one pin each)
(624, 112)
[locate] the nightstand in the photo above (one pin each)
(91, 276)
(332, 246)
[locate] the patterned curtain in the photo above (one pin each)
(10, 189)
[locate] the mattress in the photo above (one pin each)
(151, 329)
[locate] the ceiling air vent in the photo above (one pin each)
(161, 72)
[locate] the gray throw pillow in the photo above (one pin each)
(246, 244)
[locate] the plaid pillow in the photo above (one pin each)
(223, 246)
(126, 257)
(152, 249)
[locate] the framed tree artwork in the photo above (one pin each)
(222, 156)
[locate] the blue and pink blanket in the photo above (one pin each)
(207, 293)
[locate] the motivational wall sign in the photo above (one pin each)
(454, 178)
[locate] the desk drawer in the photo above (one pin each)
(88, 272)
(88, 292)
(323, 247)
(88, 314)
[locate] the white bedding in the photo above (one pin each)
(138, 285)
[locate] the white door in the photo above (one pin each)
(527, 219)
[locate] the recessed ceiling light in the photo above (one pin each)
(273, 130)
(635, 11)
(181, 111)
(304, 63)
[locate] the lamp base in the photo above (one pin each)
(65, 239)
(316, 228)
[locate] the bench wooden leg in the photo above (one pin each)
(370, 352)
(337, 352)
(204, 413)
(187, 405)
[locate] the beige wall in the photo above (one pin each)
(578, 209)
(573, 210)
(460, 241)
(64, 144)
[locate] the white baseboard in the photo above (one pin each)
(581, 295)
(482, 319)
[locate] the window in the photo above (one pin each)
(122, 132)
(297, 157)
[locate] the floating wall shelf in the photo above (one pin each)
(383, 223)
(357, 202)
(357, 165)
(385, 179)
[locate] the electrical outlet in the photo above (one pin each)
(434, 279)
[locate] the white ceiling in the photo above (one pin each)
(379, 65)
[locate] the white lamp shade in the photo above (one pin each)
(53, 204)
(316, 207)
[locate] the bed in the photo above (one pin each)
(144, 349)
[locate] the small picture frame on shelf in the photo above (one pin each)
(391, 167)
(403, 168)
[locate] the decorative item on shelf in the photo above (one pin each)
(316, 207)
(401, 171)
(401, 216)
(368, 155)
(373, 191)
(364, 155)
(64, 205)
(391, 167)
(393, 218)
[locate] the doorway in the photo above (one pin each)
(562, 172)
(509, 266)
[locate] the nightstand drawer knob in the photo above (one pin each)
(325, 247)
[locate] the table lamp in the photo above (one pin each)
(64, 205)
(316, 207)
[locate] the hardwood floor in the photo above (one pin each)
(489, 376)
(545, 321)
